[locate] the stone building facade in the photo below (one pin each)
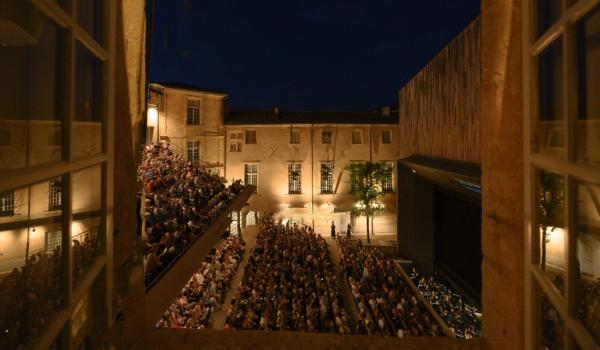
(298, 161)
(190, 120)
(283, 153)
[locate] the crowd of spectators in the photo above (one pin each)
(463, 319)
(206, 290)
(181, 200)
(288, 284)
(29, 296)
(385, 302)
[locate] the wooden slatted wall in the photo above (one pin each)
(439, 107)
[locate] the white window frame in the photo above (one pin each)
(326, 181)
(251, 175)
(294, 185)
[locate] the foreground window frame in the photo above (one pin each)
(558, 158)
(91, 29)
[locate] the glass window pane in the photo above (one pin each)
(548, 12)
(30, 264)
(550, 220)
(32, 105)
(90, 15)
(86, 227)
(89, 104)
(587, 137)
(552, 328)
(550, 129)
(587, 218)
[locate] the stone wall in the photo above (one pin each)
(273, 152)
(502, 174)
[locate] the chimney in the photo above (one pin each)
(276, 110)
(385, 111)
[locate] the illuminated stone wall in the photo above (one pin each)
(273, 152)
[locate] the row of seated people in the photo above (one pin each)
(463, 319)
(206, 290)
(288, 284)
(32, 294)
(386, 304)
(181, 201)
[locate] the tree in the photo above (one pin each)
(367, 180)
(550, 208)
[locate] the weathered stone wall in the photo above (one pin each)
(273, 152)
(439, 107)
(502, 174)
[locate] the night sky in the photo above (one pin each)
(304, 55)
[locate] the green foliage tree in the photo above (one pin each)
(550, 204)
(367, 180)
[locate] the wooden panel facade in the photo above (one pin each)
(440, 106)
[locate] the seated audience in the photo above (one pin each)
(206, 290)
(385, 302)
(288, 284)
(462, 318)
(181, 201)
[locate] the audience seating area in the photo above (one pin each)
(34, 293)
(288, 284)
(385, 302)
(181, 201)
(463, 319)
(206, 290)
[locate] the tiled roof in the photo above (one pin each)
(308, 117)
(184, 86)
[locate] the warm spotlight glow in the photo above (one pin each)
(152, 116)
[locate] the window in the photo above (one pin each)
(326, 136)
(235, 141)
(193, 152)
(250, 136)
(193, 112)
(295, 178)
(561, 174)
(251, 175)
(327, 177)
(52, 240)
(4, 137)
(386, 136)
(354, 179)
(55, 194)
(294, 136)
(7, 204)
(388, 175)
(55, 137)
(356, 137)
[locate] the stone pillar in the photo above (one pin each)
(502, 174)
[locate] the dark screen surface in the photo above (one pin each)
(457, 239)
